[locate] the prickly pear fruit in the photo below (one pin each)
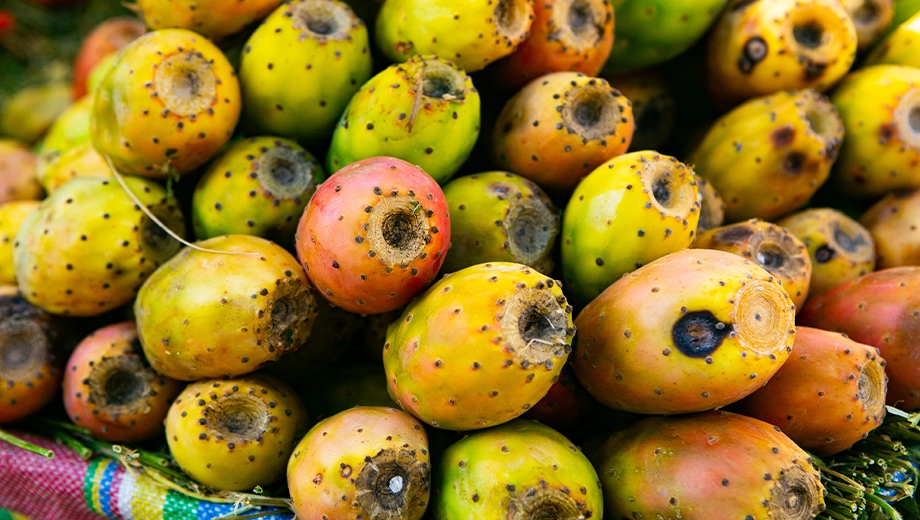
(712, 207)
(567, 406)
(107, 38)
(368, 462)
(68, 131)
(12, 215)
(339, 390)
(259, 186)
(501, 217)
(517, 333)
(880, 107)
(471, 33)
(839, 247)
(784, 143)
(170, 101)
(88, 247)
(769, 246)
(829, 394)
(518, 470)
(424, 111)
(903, 11)
(758, 48)
(18, 179)
(214, 314)
(27, 114)
(709, 465)
(235, 434)
(110, 390)
(560, 127)
(82, 161)
(693, 331)
(880, 309)
(871, 18)
(653, 107)
(894, 223)
(212, 18)
(626, 213)
(898, 47)
(301, 67)
(374, 235)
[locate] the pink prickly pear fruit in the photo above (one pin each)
(107, 38)
(12, 215)
(214, 19)
(207, 314)
(367, 462)
(829, 394)
(882, 310)
(110, 389)
(705, 466)
(894, 223)
(516, 330)
(235, 434)
(653, 104)
(567, 406)
(712, 207)
(692, 331)
(519, 470)
(374, 235)
(560, 127)
(18, 179)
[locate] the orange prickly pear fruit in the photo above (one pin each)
(871, 19)
(894, 223)
(212, 18)
(18, 177)
(653, 107)
(899, 48)
(712, 207)
(12, 215)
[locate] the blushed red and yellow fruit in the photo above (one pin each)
(214, 19)
(894, 223)
(107, 38)
(18, 179)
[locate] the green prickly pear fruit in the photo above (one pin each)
(301, 67)
(82, 161)
(367, 462)
(347, 387)
(68, 131)
(704, 466)
(653, 106)
(212, 18)
(650, 32)
(629, 211)
(18, 176)
(759, 48)
(470, 33)
(871, 18)
(880, 309)
(904, 10)
(894, 223)
(839, 247)
(880, 107)
(784, 143)
(712, 207)
(235, 434)
(88, 247)
(27, 114)
(424, 111)
(12, 215)
(520, 470)
(259, 186)
(517, 333)
(695, 330)
(501, 217)
(208, 314)
(169, 103)
(560, 127)
(829, 394)
(898, 47)
(769, 246)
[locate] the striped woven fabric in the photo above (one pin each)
(70, 488)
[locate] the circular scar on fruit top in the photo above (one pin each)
(237, 418)
(120, 385)
(579, 24)
(907, 118)
(795, 495)
(530, 227)
(535, 327)
(591, 111)
(848, 238)
(398, 230)
(186, 83)
(544, 504)
(391, 481)
(871, 387)
(671, 198)
(441, 81)
(511, 18)
(761, 317)
(285, 173)
(23, 349)
(322, 19)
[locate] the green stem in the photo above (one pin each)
(884, 506)
(28, 446)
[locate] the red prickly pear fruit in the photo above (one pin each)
(369, 462)
(560, 127)
(894, 223)
(692, 331)
(829, 394)
(653, 105)
(212, 18)
(107, 38)
(516, 471)
(567, 405)
(235, 434)
(882, 310)
(374, 235)
(347, 387)
(110, 389)
(18, 179)
(516, 330)
(871, 18)
(712, 207)
(12, 215)
(705, 466)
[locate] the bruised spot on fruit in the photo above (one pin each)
(120, 385)
(23, 349)
(441, 81)
(237, 418)
(762, 316)
(797, 495)
(825, 254)
(511, 18)
(578, 24)
(531, 227)
(289, 314)
(321, 19)
(535, 326)
(591, 112)
(794, 162)
(186, 83)
(782, 136)
(735, 234)
(698, 334)
(391, 483)
(907, 118)
(398, 230)
(543, 503)
(285, 173)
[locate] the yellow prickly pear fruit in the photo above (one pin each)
(12, 215)
(871, 18)
(82, 161)
(212, 18)
(900, 47)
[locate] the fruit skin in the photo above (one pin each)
(81, 161)
(548, 141)
(636, 228)
(871, 20)
(754, 49)
(517, 330)
(214, 19)
(709, 465)
(148, 119)
(692, 331)
(839, 247)
(108, 37)
(790, 164)
(829, 394)
(434, 129)
(898, 47)
(903, 11)
(712, 207)
(653, 107)
(17, 173)
(374, 235)
(501, 217)
(893, 223)
(12, 215)
(68, 131)
(567, 407)
(338, 469)
(126, 409)
(235, 434)
(259, 186)
(27, 114)
(208, 315)
(653, 32)
(88, 248)
(521, 469)
(879, 309)
(297, 82)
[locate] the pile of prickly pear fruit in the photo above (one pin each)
(466, 259)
